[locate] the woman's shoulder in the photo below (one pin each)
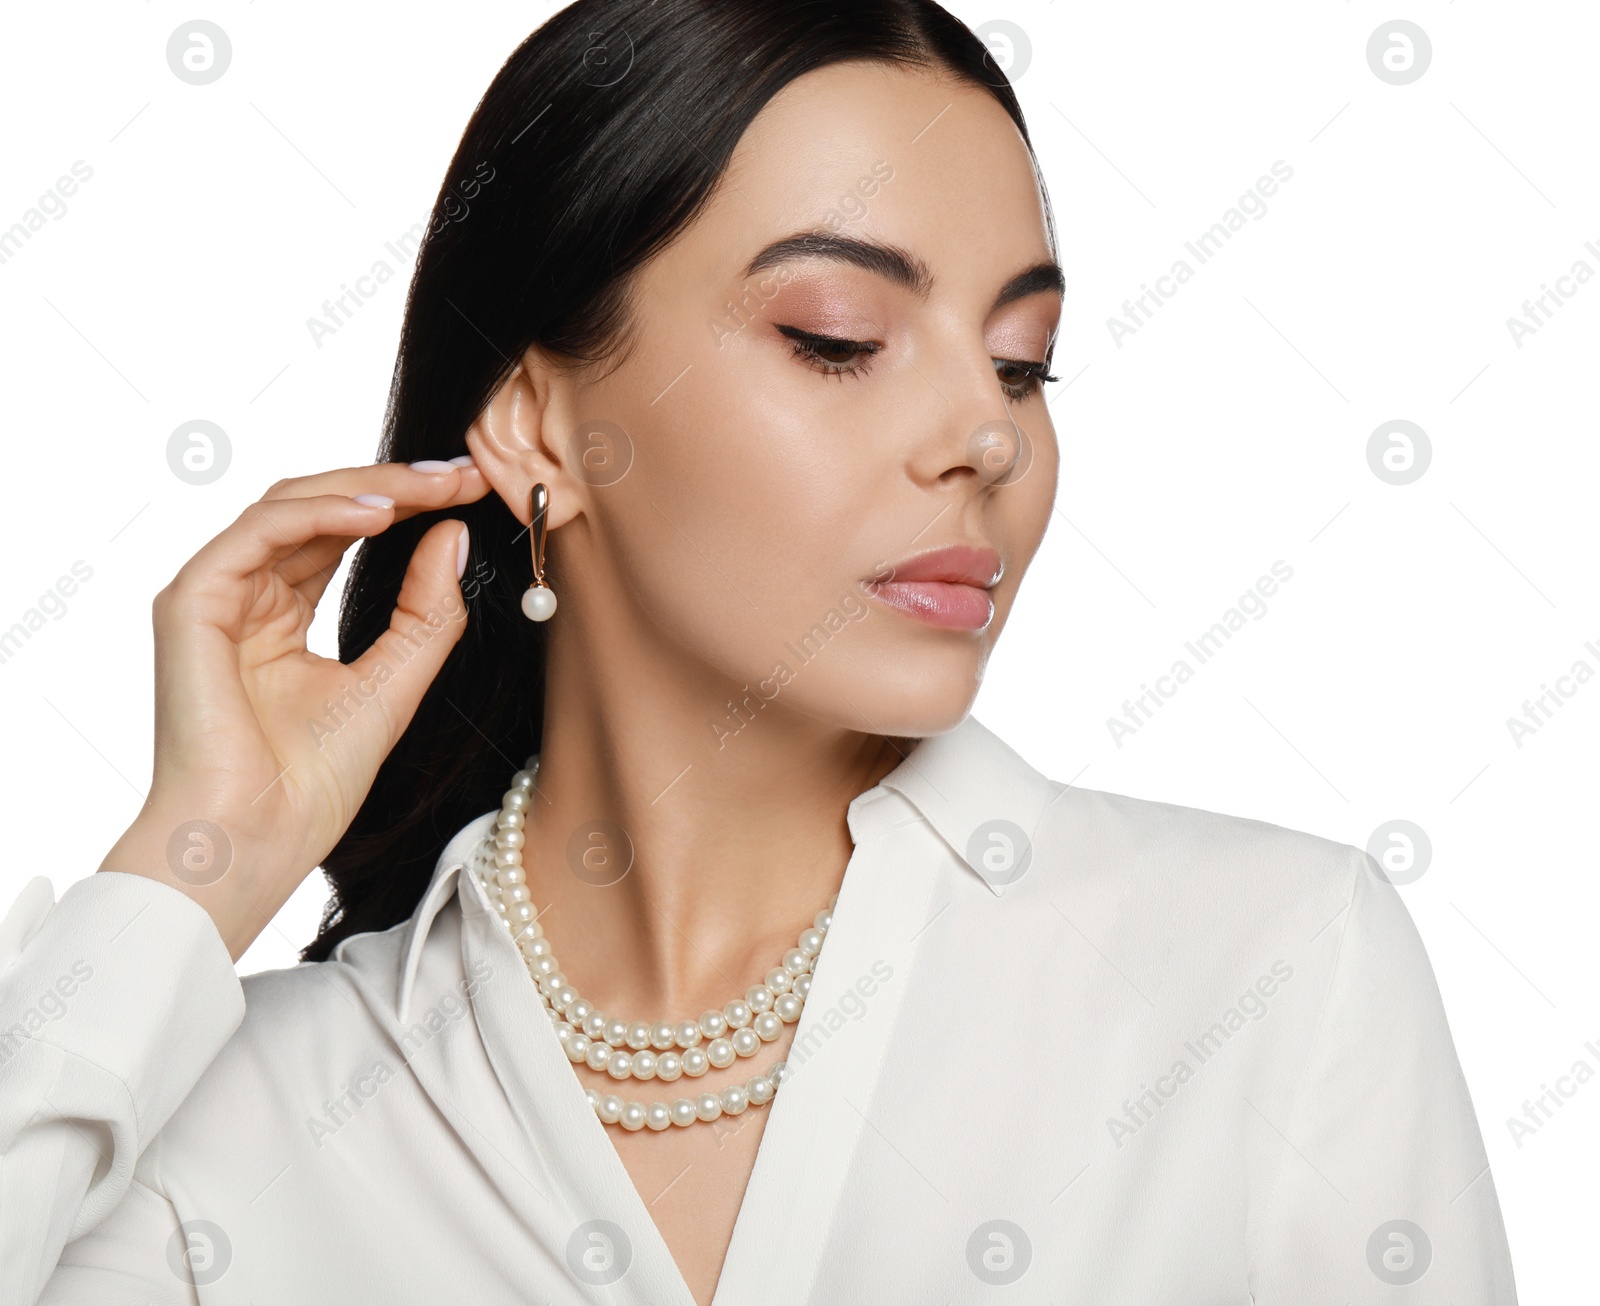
(317, 1032)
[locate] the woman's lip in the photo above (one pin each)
(948, 605)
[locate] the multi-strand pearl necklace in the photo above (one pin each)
(639, 1049)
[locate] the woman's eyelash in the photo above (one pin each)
(814, 350)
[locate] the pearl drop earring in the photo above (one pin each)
(538, 600)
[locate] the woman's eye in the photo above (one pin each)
(831, 355)
(1020, 379)
(840, 356)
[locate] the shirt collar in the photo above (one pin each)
(981, 798)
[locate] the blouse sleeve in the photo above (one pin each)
(1383, 1185)
(113, 1002)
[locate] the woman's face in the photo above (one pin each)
(775, 473)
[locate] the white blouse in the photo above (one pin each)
(1097, 1049)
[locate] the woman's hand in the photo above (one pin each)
(264, 751)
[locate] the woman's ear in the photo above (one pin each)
(512, 443)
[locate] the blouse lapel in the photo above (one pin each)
(826, 1107)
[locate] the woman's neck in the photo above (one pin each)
(674, 850)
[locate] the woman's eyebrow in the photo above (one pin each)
(904, 269)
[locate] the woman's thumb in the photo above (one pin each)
(429, 616)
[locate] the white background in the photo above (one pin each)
(1227, 433)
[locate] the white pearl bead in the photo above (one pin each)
(538, 603)
(669, 1065)
(507, 876)
(542, 965)
(578, 1012)
(658, 1115)
(787, 1008)
(578, 1048)
(515, 893)
(507, 857)
(616, 1031)
(610, 1108)
(713, 1024)
(767, 1026)
(779, 1073)
(694, 1062)
(761, 1090)
(734, 1099)
(594, 1024)
(519, 911)
(538, 946)
(514, 800)
(638, 1035)
(662, 1036)
(513, 839)
(620, 1065)
(779, 980)
(746, 1041)
(796, 962)
(513, 820)
(523, 778)
(720, 1053)
(811, 942)
(593, 1094)
(802, 987)
(644, 1065)
(683, 1111)
(688, 1034)
(632, 1116)
(760, 998)
(823, 921)
(598, 1055)
(708, 1106)
(563, 998)
(738, 1014)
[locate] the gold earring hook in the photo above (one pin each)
(539, 505)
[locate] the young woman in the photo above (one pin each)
(715, 457)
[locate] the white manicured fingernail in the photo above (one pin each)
(374, 500)
(461, 553)
(431, 465)
(461, 460)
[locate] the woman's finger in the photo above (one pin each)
(268, 531)
(415, 487)
(429, 617)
